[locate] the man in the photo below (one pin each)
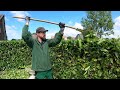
(41, 63)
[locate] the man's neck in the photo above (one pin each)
(39, 39)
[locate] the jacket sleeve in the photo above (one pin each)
(56, 40)
(26, 36)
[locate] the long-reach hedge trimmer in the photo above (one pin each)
(50, 23)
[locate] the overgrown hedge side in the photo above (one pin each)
(14, 54)
(91, 58)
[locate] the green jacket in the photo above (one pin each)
(40, 52)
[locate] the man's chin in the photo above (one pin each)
(43, 39)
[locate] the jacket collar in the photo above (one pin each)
(40, 43)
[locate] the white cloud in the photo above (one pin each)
(117, 23)
(20, 14)
(12, 33)
(116, 28)
(50, 34)
(78, 25)
(115, 35)
(72, 32)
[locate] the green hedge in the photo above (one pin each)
(99, 59)
(91, 58)
(14, 54)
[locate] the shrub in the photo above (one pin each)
(91, 58)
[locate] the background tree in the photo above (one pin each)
(98, 21)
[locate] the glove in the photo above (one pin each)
(27, 20)
(62, 27)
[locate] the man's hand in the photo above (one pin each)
(62, 27)
(27, 20)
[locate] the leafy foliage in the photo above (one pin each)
(14, 54)
(14, 74)
(91, 58)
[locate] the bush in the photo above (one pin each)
(91, 58)
(14, 74)
(14, 54)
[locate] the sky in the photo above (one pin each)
(72, 18)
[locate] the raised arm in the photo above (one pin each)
(26, 35)
(58, 36)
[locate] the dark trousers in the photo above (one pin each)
(44, 74)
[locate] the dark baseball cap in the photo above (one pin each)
(41, 29)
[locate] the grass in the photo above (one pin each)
(15, 73)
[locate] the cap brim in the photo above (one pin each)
(42, 31)
(46, 31)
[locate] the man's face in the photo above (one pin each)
(41, 35)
